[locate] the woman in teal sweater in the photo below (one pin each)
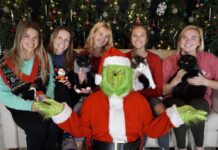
(26, 75)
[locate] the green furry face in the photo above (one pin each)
(116, 80)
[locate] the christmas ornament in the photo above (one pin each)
(174, 10)
(161, 8)
(116, 8)
(191, 19)
(16, 6)
(105, 14)
(148, 1)
(6, 9)
(133, 6)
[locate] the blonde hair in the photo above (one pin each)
(17, 54)
(200, 33)
(68, 54)
(89, 42)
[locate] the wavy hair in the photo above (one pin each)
(89, 42)
(17, 53)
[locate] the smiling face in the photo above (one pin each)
(101, 37)
(139, 37)
(61, 42)
(30, 41)
(189, 42)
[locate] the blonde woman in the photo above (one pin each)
(26, 71)
(191, 42)
(99, 40)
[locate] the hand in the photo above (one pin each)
(48, 108)
(159, 108)
(198, 80)
(178, 78)
(66, 82)
(190, 115)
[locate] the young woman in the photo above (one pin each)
(61, 49)
(139, 39)
(191, 42)
(27, 75)
(99, 40)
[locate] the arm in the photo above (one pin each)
(207, 62)
(12, 101)
(51, 84)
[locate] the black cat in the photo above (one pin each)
(82, 61)
(184, 90)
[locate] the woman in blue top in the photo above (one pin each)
(26, 75)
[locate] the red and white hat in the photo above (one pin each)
(112, 56)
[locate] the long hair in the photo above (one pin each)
(17, 53)
(200, 33)
(68, 54)
(89, 42)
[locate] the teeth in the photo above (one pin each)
(61, 46)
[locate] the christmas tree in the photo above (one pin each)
(164, 18)
(78, 16)
(11, 11)
(168, 18)
(205, 15)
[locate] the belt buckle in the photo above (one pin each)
(116, 144)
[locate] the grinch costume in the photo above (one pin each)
(116, 117)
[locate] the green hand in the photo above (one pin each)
(49, 107)
(190, 115)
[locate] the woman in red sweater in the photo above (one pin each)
(153, 93)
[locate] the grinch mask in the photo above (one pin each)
(116, 80)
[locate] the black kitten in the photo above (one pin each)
(135, 63)
(184, 90)
(82, 61)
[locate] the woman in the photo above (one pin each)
(61, 49)
(99, 40)
(27, 75)
(191, 42)
(139, 39)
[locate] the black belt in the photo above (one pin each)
(99, 145)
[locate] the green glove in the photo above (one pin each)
(190, 115)
(49, 107)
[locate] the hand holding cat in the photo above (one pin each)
(66, 82)
(177, 79)
(198, 80)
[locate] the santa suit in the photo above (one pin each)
(111, 119)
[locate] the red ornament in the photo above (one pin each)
(13, 30)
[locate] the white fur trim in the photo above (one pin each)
(117, 60)
(117, 126)
(174, 116)
(63, 116)
(98, 79)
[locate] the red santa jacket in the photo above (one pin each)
(94, 118)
